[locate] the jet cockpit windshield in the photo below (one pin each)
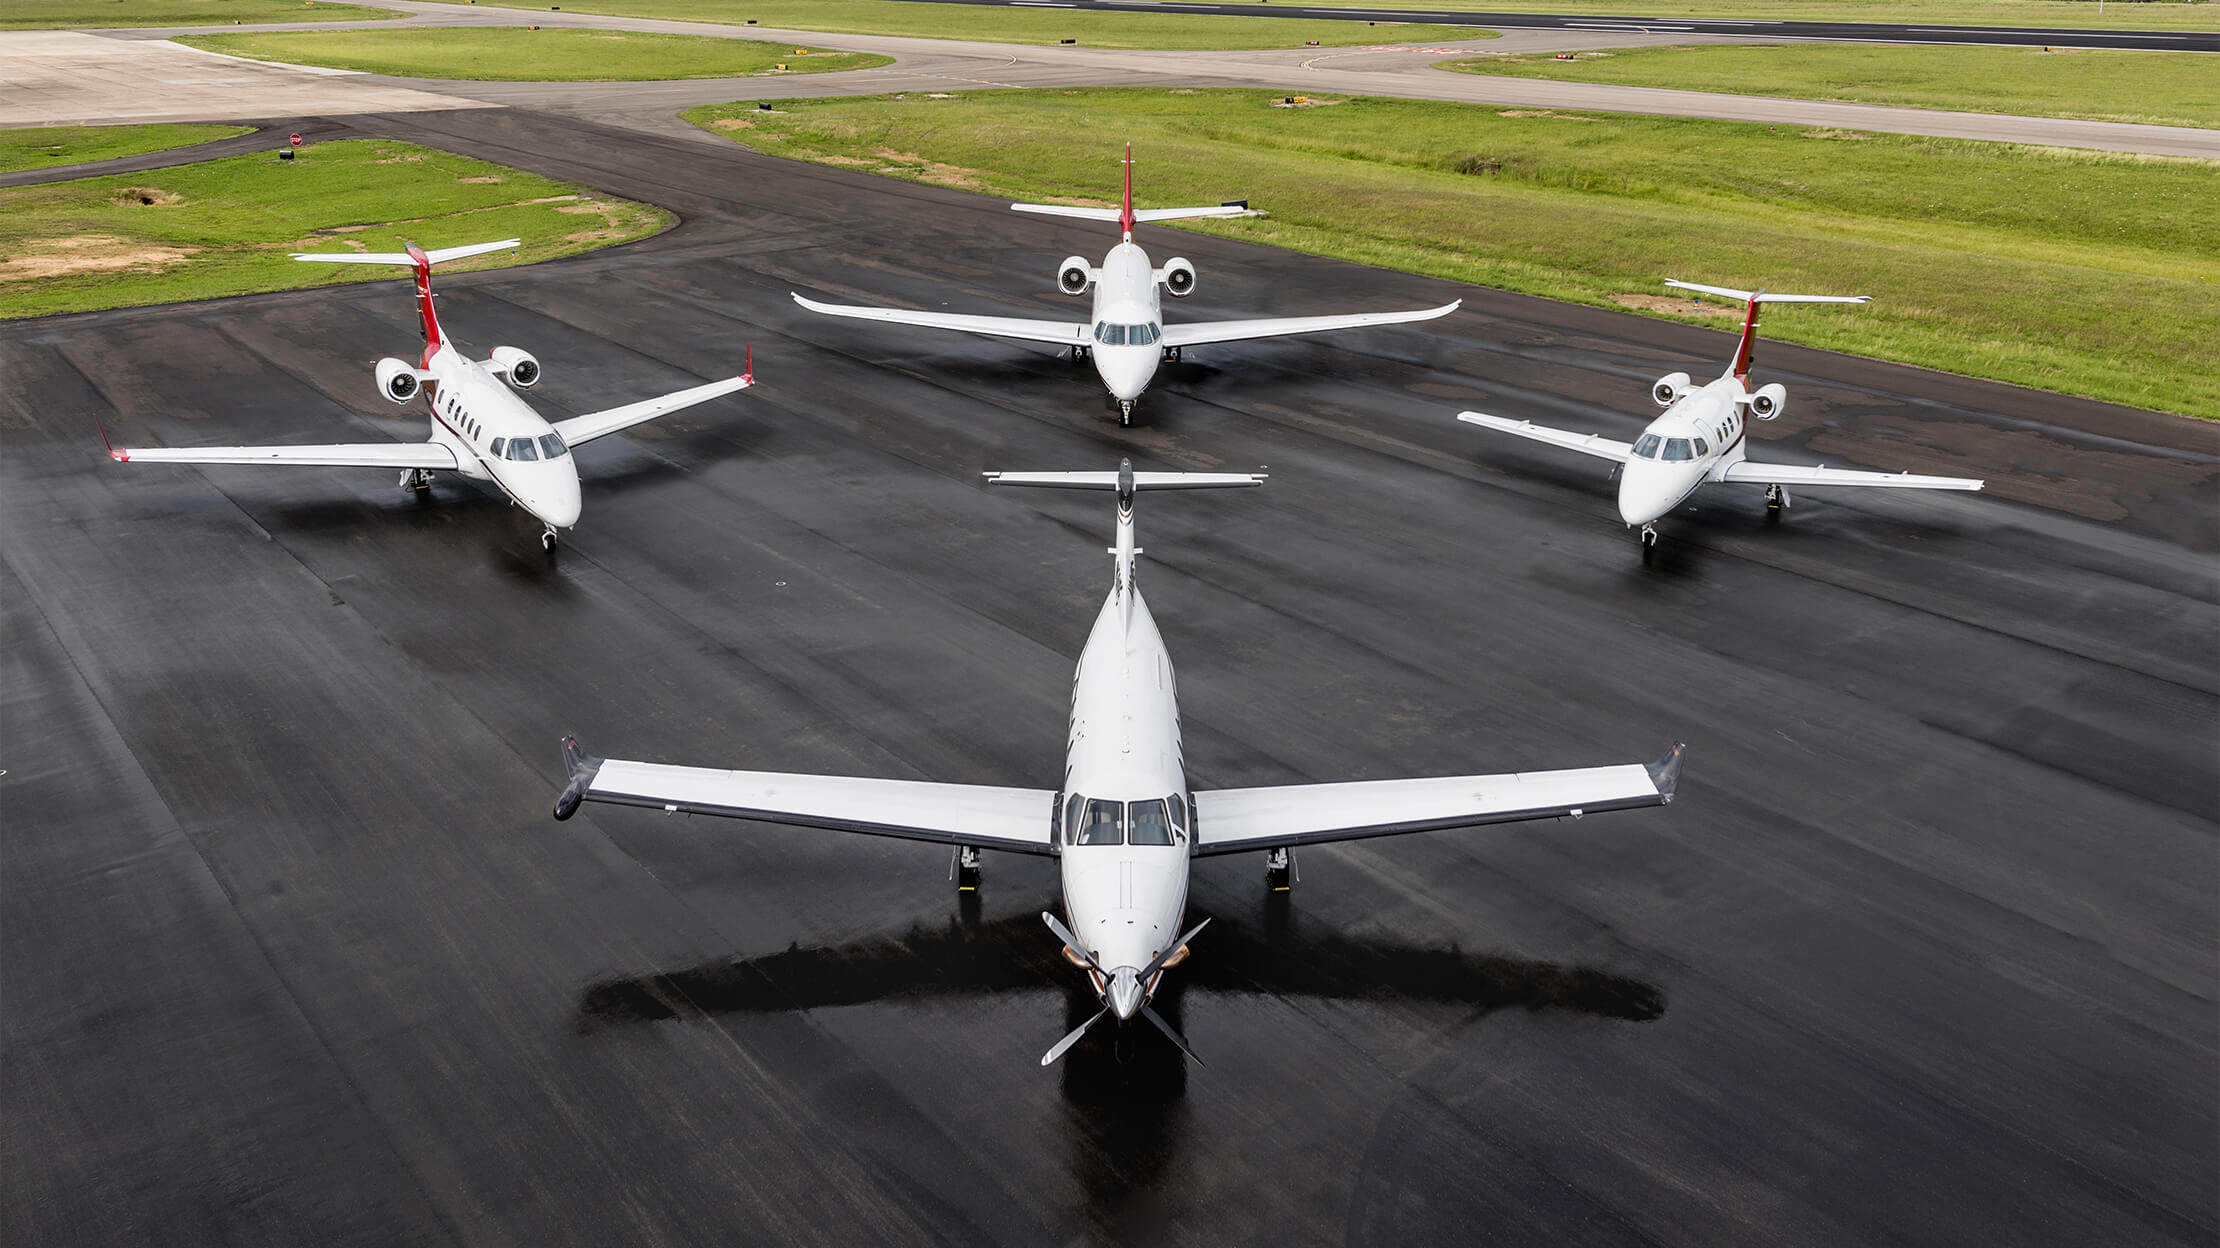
(1093, 821)
(1110, 335)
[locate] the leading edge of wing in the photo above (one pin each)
(340, 455)
(1238, 820)
(579, 430)
(1586, 443)
(1202, 333)
(1754, 473)
(1020, 820)
(1062, 333)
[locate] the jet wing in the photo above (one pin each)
(1062, 333)
(1205, 332)
(343, 455)
(1022, 820)
(579, 430)
(1229, 821)
(1585, 443)
(1752, 473)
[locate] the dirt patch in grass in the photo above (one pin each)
(1851, 135)
(146, 196)
(1540, 112)
(1675, 307)
(733, 123)
(488, 178)
(89, 253)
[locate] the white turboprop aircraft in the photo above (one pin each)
(479, 429)
(1125, 824)
(1127, 337)
(1700, 436)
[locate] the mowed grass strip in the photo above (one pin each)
(2149, 88)
(1097, 28)
(224, 227)
(2082, 272)
(520, 54)
(95, 14)
(53, 147)
(2198, 15)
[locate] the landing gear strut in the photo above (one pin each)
(1279, 870)
(1171, 355)
(1649, 541)
(418, 479)
(1776, 501)
(1079, 353)
(548, 538)
(964, 869)
(1125, 413)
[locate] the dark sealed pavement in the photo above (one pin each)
(292, 952)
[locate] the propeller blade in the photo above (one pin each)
(1064, 1044)
(1162, 1026)
(1173, 948)
(1071, 942)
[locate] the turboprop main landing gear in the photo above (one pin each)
(418, 479)
(1776, 501)
(964, 868)
(1279, 870)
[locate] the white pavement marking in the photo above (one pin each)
(61, 78)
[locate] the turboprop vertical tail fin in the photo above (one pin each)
(1746, 349)
(1127, 483)
(422, 261)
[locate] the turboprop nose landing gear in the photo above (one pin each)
(964, 869)
(1776, 501)
(1279, 870)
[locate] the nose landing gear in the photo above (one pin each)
(1649, 541)
(1279, 870)
(1125, 413)
(548, 539)
(1776, 501)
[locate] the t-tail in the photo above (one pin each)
(1127, 483)
(1127, 216)
(422, 261)
(1745, 350)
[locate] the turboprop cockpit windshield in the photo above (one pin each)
(1159, 821)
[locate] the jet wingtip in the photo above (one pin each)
(581, 767)
(1665, 772)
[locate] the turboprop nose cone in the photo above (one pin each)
(1125, 993)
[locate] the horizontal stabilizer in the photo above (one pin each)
(1139, 214)
(1137, 481)
(1767, 296)
(439, 256)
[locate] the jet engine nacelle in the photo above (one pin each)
(1073, 277)
(1769, 401)
(1178, 277)
(397, 381)
(518, 366)
(1669, 388)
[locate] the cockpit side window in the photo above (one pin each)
(1071, 818)
(1103, 823)
(1147, 824)
(1676, 451)
(1702, 447)
(1646, 448)
(1179, 817)
(551, 446)
(498, 443)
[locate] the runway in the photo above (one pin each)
(293, 952)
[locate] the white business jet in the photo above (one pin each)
(1125, 824)
(1700, 436)
(1127, 337)
(479, 429)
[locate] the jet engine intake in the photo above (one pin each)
(1073, 276)
(1669, 388)
(1178, 277)
(1769, 401)
(397, 381)
(517, 365)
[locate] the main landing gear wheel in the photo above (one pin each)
(1125, 413)
(965, 869)
(1776, 501)
(1279, 870)
(1171, 355)
(1078, 354)
(1649, 541)
(418, 479)
(548, 540)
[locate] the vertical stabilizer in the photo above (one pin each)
(424, 302)
(1744, 350)
(1125, 210)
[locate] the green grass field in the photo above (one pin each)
(2076, 14)
(518, 54)
(50, 147)
(2152, 88)
(2082, 272)
(223, 227)
(1126, 29)
(92, 14)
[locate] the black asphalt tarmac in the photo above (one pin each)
(292, 952)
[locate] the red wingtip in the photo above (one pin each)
(747, 372)
(119, 455)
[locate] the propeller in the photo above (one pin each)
(1155, 964)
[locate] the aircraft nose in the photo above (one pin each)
(1126, 371)
(1643, 495)
(558, 503)
(1125, 992)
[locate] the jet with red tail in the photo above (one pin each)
(1126, 337)
(480, 429)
